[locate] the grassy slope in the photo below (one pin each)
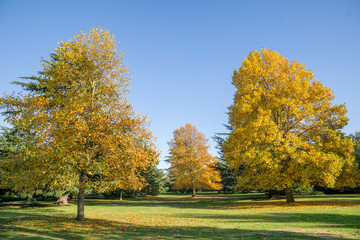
(177, 216)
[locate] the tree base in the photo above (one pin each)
(289, 195)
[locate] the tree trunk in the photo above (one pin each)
(81, 197)
(273, 194)
(120, 195)
(63, 199)
(194, 192)
(289, 195)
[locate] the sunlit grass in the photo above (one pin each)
(209, 216)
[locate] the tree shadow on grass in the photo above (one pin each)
(65, 227)
(16, 224)
(202, 203)
(225, 203)
(297, 204)
(37, 204)
(330, 220)
(333, 196)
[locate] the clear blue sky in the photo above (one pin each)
(182, 54)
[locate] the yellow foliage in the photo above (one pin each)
(286, 127)
(82, 123)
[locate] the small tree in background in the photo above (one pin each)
(356, 138)
(81, 132)
(191, 164)
(9, 143)
(228, 175)
(155, 181)
(286, 128)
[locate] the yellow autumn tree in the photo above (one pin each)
(191, 164)
(78, 129)
(286, 128)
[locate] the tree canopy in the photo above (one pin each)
(191, 164)
(286, 127)
(76, 123)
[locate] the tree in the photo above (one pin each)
(191, 165)
(9, 142)
(77, 126)
(228, 175)
(155, 181)
(356, 139)
(286, 127)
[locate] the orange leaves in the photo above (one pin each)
(191, 165)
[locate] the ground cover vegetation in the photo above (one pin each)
(180, 216)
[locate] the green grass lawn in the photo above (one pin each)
(209, 216)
